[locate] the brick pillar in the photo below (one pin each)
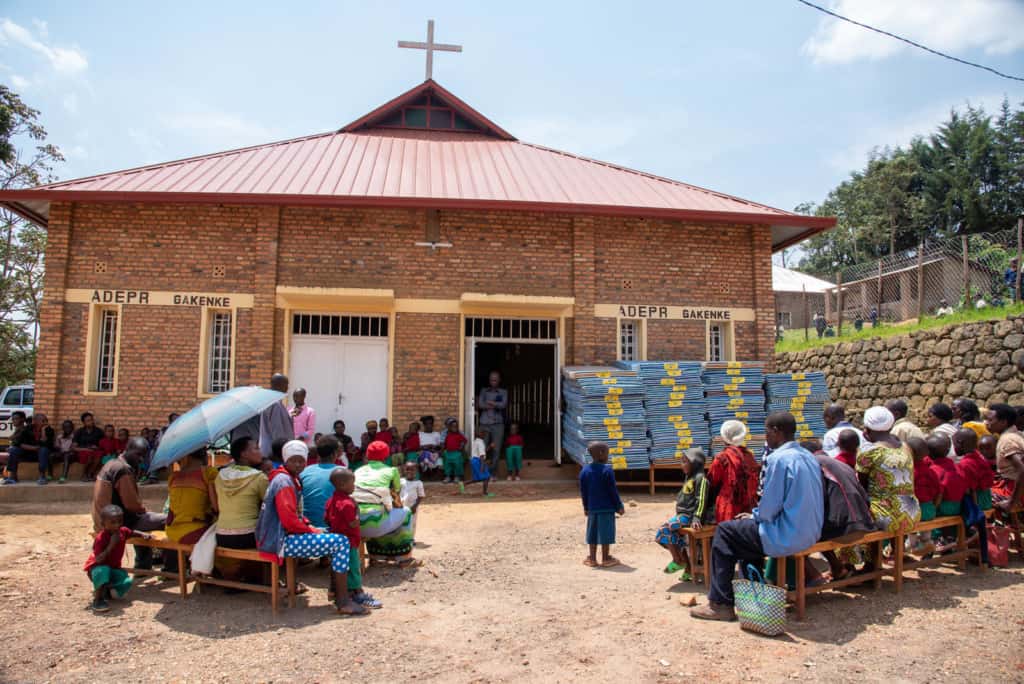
(51, 311)
(583, 279)
(265, 296)
(762, 295)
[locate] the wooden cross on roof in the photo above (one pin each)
(430, 46)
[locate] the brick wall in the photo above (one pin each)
(176, 247)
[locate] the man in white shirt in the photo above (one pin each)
(835, 421)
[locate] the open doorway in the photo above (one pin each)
(529, 373)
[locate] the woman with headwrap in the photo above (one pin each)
(384, 522)
(886, 470)
(733, 474)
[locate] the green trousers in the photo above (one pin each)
(453, 465)
(116, 578)
(514, 459)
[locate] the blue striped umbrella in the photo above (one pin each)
(210, 420)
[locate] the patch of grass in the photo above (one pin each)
(793, 340)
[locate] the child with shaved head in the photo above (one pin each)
(600, 504)
(342, 517)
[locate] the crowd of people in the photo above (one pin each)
(888, 474)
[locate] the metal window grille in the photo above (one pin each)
(784, 318)
(218, 364)
(106, 350)
(628, 333)
(716, 339)
(337, 325)
(512, 328)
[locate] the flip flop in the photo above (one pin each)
(590, 563)
(672, 567)
(610, 562)
(358, 611)
(686, 577)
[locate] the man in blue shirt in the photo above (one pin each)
(316, 481)
(788, 518)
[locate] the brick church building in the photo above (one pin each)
(387, 267)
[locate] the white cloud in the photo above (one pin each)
(67, 61)
(953, 26)
(899, 132)
(70, 103)
(19, 82)
(223, 128)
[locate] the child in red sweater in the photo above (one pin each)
(953, 486)
(848, 443)
(454, 450)
(109, 580)
(342, 517)
(977, 474)
(927, 490)
(514, 451)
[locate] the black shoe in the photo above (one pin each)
(100, 606)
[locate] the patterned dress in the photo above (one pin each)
(890, 472)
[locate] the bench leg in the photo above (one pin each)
(879, 568)
(899, 546)
(801, 587)
(705, 545)
(364, 560)
(275, 577)
(182, 574)
(780, 572)
(289, 571)
(961, 544)
(650, 472)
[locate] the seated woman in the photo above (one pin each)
(693, 509)
(886, 470)
(192, 502)
(734, 474)
(239, 490)
(385, 524)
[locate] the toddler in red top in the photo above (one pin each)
(109, 580)
(109, 445)
(953, 485)
(927, 490)
(973, 468)
(342, 517)
(514, 451)
(848, 443)
(454, 450)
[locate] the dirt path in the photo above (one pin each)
(502, 596)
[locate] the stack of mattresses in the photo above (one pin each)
(674, 403)
(802, 394)
(605, 404)
(733, 390)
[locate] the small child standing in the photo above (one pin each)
(342, 517)
(848, 443)
(601, 502)
(412, 491)
(454, 449)
(514, 451)
(478, 463)
(109, 580)
(65, 440)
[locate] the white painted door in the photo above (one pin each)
(344, 378)
(469, 385)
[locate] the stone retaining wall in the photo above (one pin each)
(981, 361)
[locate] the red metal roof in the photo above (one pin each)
(361, 165)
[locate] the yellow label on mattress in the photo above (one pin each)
(624, 443)
(797, 376)
(614, 412)
(610, 381)
(614, 390)
(733, 403)
(734, 394)
(616, 450)
(681, 425)
(728, 388)
(604, 375)
(668, 381)
(614, 434)
(612, 403)
(803, 426)
(670, 366)
(803, 385)
(675, 404)
(684, 433)
(679, 454)
(678, 394)
(674, 419)
(611, 421)
(733, 371)
(742, 414)
(619, 463)
(734, 364)
(673, 373)
(806, 433)
(803, 393)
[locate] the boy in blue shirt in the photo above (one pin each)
(600, 504)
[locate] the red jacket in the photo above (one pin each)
(287, 505)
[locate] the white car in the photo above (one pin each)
(14, 398)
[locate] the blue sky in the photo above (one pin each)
(764, 99)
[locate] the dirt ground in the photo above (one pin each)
(501, 596)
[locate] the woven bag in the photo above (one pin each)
(760, 607)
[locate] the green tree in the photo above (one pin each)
(26, 160)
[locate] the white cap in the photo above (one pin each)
(733, 432)
(296, 447)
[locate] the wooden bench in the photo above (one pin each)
(702, 567)
(960, 555)
(184, 577)
(663, 466)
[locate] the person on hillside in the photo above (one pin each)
(1010, 278)
(944, 309)
(601, 503)
(109, 579)
(303, 418)
(116, 484)
(317, 485)
(282, 531)
(693, 509)
(733, 474)
(276, 421)
(836, 422)
(874, 317)
(1008, 490)
(820, 323)
(788, 519)
(903, 429)
(940, 420)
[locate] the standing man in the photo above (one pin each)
(820, 323)
(492, 403)
(303, 417)
(276, 421)
(1010, 279)
(115, 484)
(788, 519)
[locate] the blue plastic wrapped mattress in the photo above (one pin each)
(605, 404)
(805, 395)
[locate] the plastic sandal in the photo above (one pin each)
(686, 577)
(672, 567)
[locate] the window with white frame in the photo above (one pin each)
(218, 352)
(784, 318)
(720, 342)
(106, 351)
(630, 339)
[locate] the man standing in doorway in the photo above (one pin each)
(492, 402)
(275, 421)
(303, 417)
